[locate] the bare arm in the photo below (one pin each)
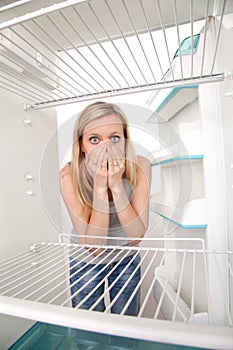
(133, 215)
(96, 221)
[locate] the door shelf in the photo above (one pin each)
(168, 102)
(193, 215)
(179, 160)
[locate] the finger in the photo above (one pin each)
(92, 161)
(110, 163)
(104, 164)
(102, 160)
(117, 157)
(95, 157)
(113, 163)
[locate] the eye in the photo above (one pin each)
(115, 138)
(94, 140)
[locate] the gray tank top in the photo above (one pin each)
(115, 230)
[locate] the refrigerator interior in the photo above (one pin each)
(57, 56)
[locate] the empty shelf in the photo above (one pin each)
(68, 52)
(41, 275)
(168, 102)
(176, 160)
(193, 215)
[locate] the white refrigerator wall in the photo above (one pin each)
(217, 124)
(23, 215)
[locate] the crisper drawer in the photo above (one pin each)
(184, 292)
(45, 336)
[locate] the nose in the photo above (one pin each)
(105, 142)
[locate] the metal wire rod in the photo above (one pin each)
(112, 285)
(67, 269)
(218, 37)
(53, 53)
(38, 13)
(178, 37)
(179, 287)
(52, 62)
(19, 88)
(86, 274)
(126, 42)
(159, 305)
(42, 93)
(54, 272)
(92, 52)
(139, 41)
(48, 270)
(165, 37)
(72, 58)
(80, 53)
(146, 298)
(140, 283)
(151, 37)
(16, 262)
(193, 287)
(100, 283)
(110, 40)
(18, 93)
(25, 265)
(144, 239)
(134, 89)
(192, 42)
(32, 57)
(208, 289)
(19, 82)
(92, 261)
(8, 260)
(204, 40)
(102, 47)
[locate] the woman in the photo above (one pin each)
(106, 190)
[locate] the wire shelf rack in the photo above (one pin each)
(181, 281)
(80, 50)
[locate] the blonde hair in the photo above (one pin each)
(82, 181)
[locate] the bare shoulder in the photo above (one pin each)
(144, 164)
(65, 171)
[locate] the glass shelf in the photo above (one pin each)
(192, 216)
(194, 226)
(168, 161)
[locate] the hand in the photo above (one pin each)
(96, 162)
(116, 166)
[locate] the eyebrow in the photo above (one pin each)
(96, 134)
(116, 132)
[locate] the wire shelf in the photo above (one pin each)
(180, 289)
(80, 50)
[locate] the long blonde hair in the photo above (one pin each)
(82, 181)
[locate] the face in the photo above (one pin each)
(106, 132)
